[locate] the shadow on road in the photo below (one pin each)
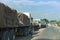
(29, 37)
(23, 37)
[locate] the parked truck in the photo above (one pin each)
(25, 21)
(36, 24)
(43, 24)
(8, 22)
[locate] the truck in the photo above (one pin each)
(25, 22)
(36, 24)
(43, 24)
(8, 22)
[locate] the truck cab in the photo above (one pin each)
(43, 24)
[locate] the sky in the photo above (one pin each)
(39, 9)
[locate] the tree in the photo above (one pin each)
(53, 21)
(58, 23)
(46, 20)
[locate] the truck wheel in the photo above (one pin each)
(26, 32)
(1, 35)
(5, 36)
(12, 35)
(31, 32)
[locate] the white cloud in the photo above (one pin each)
(33, 3)
(40, 3)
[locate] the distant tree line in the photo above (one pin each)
(46, 20)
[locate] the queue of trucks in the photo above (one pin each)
(8, 22)
(13, 23)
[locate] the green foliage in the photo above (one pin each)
(58, 23)
(46, 20)
(53, 21)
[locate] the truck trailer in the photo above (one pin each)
(24, 24)
(8, 22)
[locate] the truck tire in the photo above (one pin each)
(25, 32)
(12, 35)
(8, 35)
(0, 35)
(5, 36)
(31, 32)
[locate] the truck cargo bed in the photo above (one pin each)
(23, 20)
(8, 17)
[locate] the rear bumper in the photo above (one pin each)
(43, 26)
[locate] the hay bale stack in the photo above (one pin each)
(8, 17)
(23, 19)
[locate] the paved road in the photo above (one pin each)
(49, 33)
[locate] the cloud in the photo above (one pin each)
(32, 3)
(40, 3)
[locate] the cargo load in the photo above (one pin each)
(36, 24)
(23, 19)
(8, 17)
